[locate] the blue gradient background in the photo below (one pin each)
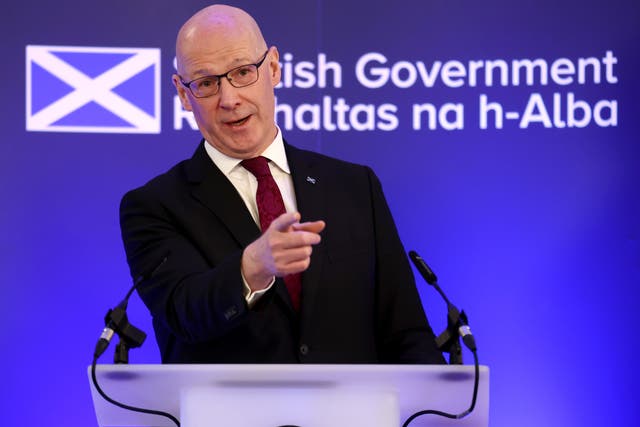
(535, 233)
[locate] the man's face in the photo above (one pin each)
(239, 122)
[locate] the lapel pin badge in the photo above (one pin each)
(311, 180)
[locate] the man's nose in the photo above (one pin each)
(228, 94)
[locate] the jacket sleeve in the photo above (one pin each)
(404, 334)
(186, 293)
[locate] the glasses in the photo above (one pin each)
(241, 76)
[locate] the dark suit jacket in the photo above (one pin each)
(359, 301)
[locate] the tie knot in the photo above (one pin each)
(258, 166)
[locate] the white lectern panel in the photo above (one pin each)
(300, 395)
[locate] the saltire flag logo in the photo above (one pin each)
(93, 89)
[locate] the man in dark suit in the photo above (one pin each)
(226, 285)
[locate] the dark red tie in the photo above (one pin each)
(271, 206)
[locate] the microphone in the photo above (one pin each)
(116, 321)
(458, 319)
(423, 268)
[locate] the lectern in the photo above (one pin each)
(290, 395)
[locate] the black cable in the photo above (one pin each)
(122, 405)
(446, 414)
(116, 322)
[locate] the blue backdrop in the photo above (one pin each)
(504, 133)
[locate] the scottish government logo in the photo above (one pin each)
(93, 89)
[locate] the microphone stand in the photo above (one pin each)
(449, 340)
(130, 336)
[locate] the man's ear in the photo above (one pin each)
(274, 66)
(182, 92)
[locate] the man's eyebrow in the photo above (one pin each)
(239, 62)
(203, 72)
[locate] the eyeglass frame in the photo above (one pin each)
(219, 77)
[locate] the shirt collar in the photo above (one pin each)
(274, 152)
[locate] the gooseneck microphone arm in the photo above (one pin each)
(457, 322)
(117, 322)
(449, 341)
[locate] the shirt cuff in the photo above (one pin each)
(253, 297)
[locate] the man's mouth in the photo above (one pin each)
(238, 122)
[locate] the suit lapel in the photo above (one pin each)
(311, 198)
(211, 188)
